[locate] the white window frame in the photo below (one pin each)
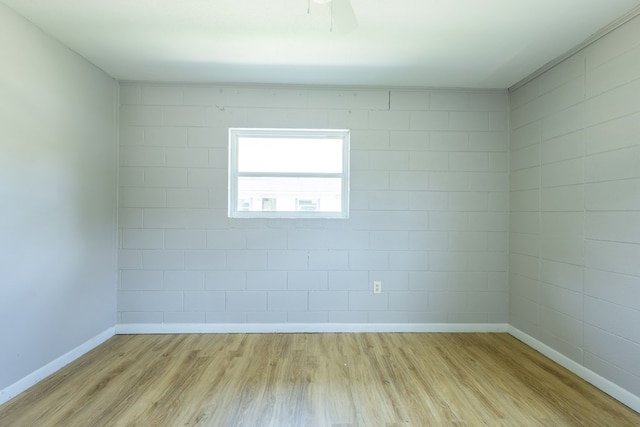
(234, 174)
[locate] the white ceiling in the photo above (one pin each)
(416, 43)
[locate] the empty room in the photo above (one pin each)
(320, 213)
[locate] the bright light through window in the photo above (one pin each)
(288, 173)
(302, 155)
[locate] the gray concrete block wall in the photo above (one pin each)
(429, 209)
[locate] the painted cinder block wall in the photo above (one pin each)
(429, 210)
(575, 208)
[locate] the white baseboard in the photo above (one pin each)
(30, 380)
(612, 389)
(265, 328)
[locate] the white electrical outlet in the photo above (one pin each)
(377, 287)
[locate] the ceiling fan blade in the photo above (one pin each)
(344, 18)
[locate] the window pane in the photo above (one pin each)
(288, 173)
(289, 194)
(303, 155)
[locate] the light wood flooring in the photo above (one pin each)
(382, 379)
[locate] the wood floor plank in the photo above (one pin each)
(314, 380)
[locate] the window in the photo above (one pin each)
(288, 173)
